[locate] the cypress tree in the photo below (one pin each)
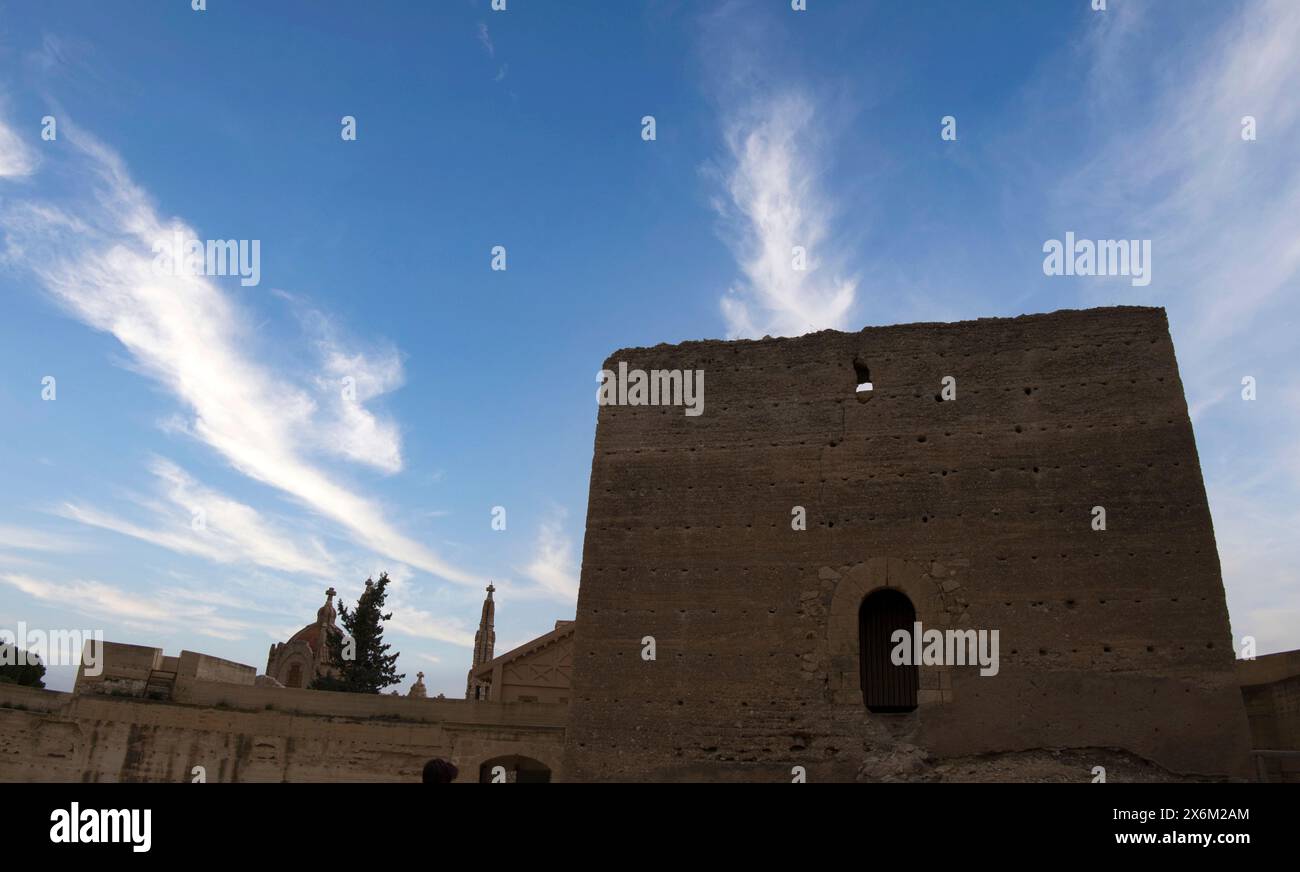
(370, 668)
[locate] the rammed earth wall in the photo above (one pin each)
(981, 509)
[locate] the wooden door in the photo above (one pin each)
(885, 687)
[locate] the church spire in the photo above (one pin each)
(485, 641)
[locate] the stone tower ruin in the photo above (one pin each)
(967, 482)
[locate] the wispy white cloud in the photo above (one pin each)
(188, 335)
(775, 203)
(553, 567)
(1223, 213)
(16, 157)
(485, 39)
(100, 601)
(348, 379)
(423, 624)
(11, 560)
(25, 220)
(200, 521)
(93, 597)
(773, 178)
(28, 539)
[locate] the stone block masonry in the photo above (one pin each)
(238, 733)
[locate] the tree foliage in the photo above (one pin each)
(29, 674)
(360, 656)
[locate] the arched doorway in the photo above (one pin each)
(516, 770)
(886, 688)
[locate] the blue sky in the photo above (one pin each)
(522, 128)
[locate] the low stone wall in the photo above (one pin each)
(1270, 687)
(124, 670)
(241, 733)
(364, 706)
(121, 669)
(205, 667)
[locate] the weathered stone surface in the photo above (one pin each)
(1107, 639)
(1271, 691)
(262, 733)
(902, 762)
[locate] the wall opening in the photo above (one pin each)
(886, 688)
(863, 375)
(295, 676)
(439, 771)
(518, 770)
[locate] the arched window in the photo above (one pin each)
(295, 676)
(516, 769)
(885, 687)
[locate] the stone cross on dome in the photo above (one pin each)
(326, 613)
(418, 690)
